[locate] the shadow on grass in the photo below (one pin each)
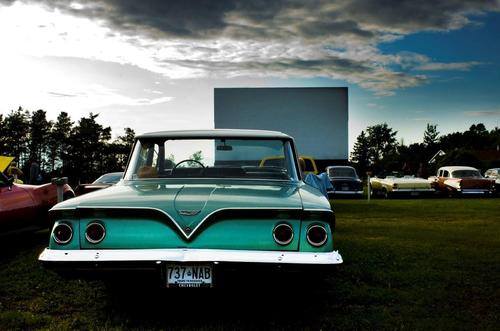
(270, 300)
(13, 244)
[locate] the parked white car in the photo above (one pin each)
(494, 173)
(392, 185)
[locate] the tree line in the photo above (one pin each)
(81, 150)
(84, 150)
(377, 150)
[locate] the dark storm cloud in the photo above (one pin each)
(413, 15)
(210, 19)
(254, 19)
(335, 39)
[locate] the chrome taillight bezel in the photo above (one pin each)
(281, 242)
(59, 241)
(99, 224)
(317, 244)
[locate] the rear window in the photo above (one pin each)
(309, 165)
(341, 172)
(466, 174)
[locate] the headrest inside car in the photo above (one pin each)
(147, 172)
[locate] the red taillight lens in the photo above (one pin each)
(283, 234)
(317, 235)
(62, 233)
(95, 232)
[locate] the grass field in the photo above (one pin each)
(409, 264)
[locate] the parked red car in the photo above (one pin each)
(460, 180)
(25, 207)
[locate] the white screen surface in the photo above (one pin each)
(316, 117)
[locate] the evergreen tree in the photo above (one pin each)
(59, 142)
(360, 153)
(16, 126)
(431, 135)
(88, 144)
(39, 134)
(118, 152)
(3, 135)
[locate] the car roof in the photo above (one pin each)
(216, 133)
(453, 168)
(113, 173)
(340, 167)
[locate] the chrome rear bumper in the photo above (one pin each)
(474, 191)
(345, 192)
(188, 255)
(410, 190)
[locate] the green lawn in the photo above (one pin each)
(409, 264)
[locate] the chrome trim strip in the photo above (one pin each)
(190, 255)
(199, 224)
(345, 192)
(319, 209)
(126, 181)
(413, 190)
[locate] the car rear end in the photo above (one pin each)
(412, 187)
(346, 187)
(132, 240)
(476, 186)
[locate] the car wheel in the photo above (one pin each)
(385, 193)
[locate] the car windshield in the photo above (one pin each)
(212, 158)
(341, 172)
(111, 178)
(466, 173)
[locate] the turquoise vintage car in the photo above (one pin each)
(191, 202)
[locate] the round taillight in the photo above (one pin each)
(317, 235)
(283, 234)
(62, 233)
(95, 232)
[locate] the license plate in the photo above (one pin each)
(345, 188)
(414, 193)
(188, 275)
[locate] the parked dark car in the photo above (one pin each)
(104, 181)
(345, 181)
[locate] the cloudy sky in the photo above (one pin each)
(152, 65)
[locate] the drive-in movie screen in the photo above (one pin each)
(249, 165)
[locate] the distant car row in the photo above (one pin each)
(450, 181)
(26, 204)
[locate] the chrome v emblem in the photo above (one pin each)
(189, 212)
